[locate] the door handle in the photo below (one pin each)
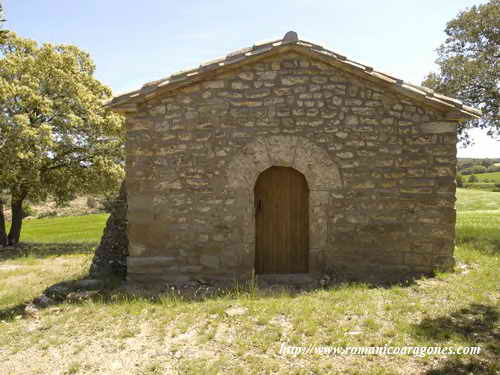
(259, 206)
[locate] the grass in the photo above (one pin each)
(486, 186)
(122, 332)
(490, 177)
(69, 229)
(477, 200)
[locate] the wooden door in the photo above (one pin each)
(281, 222)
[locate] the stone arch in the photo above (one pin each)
(321, 172)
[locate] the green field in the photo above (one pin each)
(491, 177)
(478, 221)
(475, 200)
(75, 229)
(486, 181)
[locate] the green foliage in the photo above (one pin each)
(107, 201)
(485, 180)
(56, 136)
(460, 181)
(493, 168)
(491, 165)
(28, 210)
(486, 162)
(473, 178)
(474, 169)
(47, 214)
(469, 64)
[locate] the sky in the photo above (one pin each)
(134, 42)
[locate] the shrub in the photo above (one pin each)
(460, 181)
(107, 202)
(474, 169)
(47, 214)
(473, 178)
(28, 211)
(91, 202)
(493, 168)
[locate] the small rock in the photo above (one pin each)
(43, 301)
(31, 311)
(236, 310)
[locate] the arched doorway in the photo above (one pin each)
(281, 222)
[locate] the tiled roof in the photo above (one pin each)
(289, 42)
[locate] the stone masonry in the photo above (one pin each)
(380, 165)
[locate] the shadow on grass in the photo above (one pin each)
(44, 250)
(477, 325)
(71, 291)
(10, 313)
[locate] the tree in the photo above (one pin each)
(3, 33)
(56, 138)
(486, 162)
(473, 178)
(469, 65)
(475, 169)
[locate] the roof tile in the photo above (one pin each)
(291, 38)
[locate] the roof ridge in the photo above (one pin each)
(291, 38)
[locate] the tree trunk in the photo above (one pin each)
(17, 220)
(3, 233)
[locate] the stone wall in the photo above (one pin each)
(110, 257)
(380, 166)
